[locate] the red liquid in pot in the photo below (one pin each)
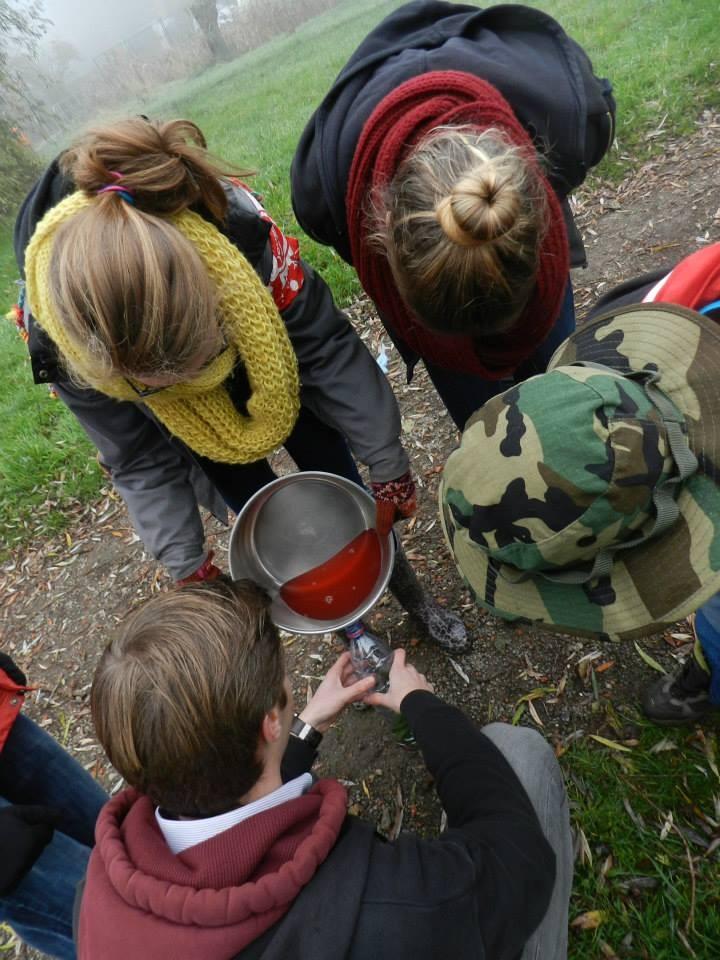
(339, 585)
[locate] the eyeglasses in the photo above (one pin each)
(144, 392)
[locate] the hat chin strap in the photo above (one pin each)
(666, 508)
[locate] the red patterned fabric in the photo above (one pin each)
(286, 276)
(394, 499)
(399, 122)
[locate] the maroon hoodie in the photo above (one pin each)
(212, 900)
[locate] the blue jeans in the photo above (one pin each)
(464, 393)
(36, 769)
(313, 445)
(707, 627)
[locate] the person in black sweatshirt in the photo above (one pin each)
(225, 846)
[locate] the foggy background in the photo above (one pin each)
(64, 63)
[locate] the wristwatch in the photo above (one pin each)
(303, 731)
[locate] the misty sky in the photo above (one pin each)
(93, 25)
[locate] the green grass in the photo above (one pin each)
(46, 462)
(657, 911)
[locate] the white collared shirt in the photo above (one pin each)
(182, 834)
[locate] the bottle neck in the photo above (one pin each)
(355, 630)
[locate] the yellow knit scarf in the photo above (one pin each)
(199, 412)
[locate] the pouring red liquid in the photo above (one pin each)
(339, 585)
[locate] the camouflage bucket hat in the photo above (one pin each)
(587, 498)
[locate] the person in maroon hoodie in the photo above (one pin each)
(226, 848)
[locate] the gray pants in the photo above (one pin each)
(533, 760)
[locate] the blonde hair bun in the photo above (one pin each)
(482, 207)
(461, 224)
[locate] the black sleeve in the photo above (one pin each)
(25, 831)
(50, 189)
(298, 758)
(491, 815)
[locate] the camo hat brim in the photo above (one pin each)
(650, 585)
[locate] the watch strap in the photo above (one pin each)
(305, 732)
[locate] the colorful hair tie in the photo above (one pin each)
(125, 192)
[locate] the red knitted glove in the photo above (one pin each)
(394, 500)
(208, 571)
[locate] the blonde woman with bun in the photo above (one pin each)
(439, 165)
(191, 341)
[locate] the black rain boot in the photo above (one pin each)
(443, 627)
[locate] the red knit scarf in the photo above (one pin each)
(399, 122)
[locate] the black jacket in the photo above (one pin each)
(476, 893)
(545, 76)
(479, 891)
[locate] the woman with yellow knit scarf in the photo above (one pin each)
(183, 330)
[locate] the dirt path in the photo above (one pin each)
(60, 600)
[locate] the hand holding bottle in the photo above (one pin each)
(404, 678)
(339, 687)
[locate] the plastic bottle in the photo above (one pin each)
(371, 656)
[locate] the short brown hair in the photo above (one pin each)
(180, 694)
(461, 223)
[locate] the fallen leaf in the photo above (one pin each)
(459, 670)
(584, 663)
(650, 661)
(534, 714)
(518, 714)
(583, 853)
(612, 744)
(601, 668)
(399, 815)
(667, 826)
(536, 694)
(588, 921)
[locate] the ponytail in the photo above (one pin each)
(128, 286)
(165, 166)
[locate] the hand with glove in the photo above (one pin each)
(394, 500)
(206, 571)
(25, 831)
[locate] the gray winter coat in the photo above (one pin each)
(157, 475)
